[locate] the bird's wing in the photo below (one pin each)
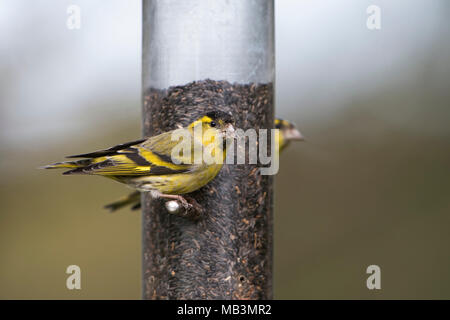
(107, 152)
(142, 157)
(164, 145)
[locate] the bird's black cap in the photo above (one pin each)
(221, 115)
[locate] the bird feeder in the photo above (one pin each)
(200, 56)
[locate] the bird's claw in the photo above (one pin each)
(192, 209)
(196, 210)
(186, 205)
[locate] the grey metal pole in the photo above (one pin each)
(200, 56)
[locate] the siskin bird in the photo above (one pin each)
(146, 165)
(288, 132)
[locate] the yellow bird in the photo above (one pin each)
(287, 133)
(149, 165)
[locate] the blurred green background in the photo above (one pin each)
(370, 185)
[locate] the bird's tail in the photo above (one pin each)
(132, 199)
(68, 164)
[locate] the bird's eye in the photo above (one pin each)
(213, 124)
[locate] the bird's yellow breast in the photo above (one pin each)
(179, 183)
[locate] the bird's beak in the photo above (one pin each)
(293, 134)
(230, 132)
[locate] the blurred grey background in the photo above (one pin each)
(369, 186)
